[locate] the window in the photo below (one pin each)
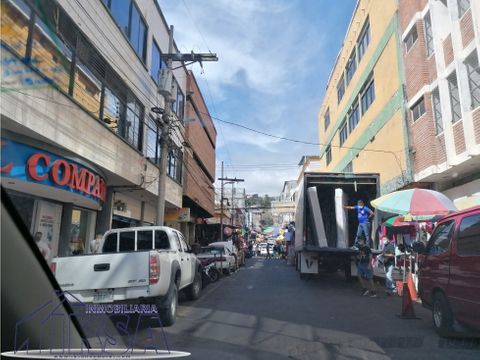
(87, 89)
(152, 148)
(351, 66)
(340, 89)
(440, 240)
(130, 21)
(15, 17)
(343, 133)
(437, 111)
(454, 97)
(353, 117)
(177, 239)
(473, 70)
(463, 6)
(131, 130)
(144, 240)
(157, 62)
(138, 32)
(428, 35)
(363, 40)
(161, 240)
(418, 109)
(110, 244)
(411, 38)
(127, 241)
(174, 169)
(113, 110)
(348, 168)
(327, 119)
(179, 103)
(368, 96)
(329, 154)
(468, 237)
(51, 55)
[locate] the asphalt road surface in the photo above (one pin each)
(264, 311)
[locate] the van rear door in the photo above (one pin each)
(464, 287)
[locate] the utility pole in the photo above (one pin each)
(165, 125)
(231, 218)
(228, 181)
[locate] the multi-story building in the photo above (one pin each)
(362, 126)
(440, 47)
(283, 210)
(80, 144)
(199, 160)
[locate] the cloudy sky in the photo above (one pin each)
(275, 57)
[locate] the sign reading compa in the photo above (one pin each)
(27, 163)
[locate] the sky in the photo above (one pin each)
(275, 57)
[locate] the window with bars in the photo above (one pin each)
(473, 70)
(353, 117)
(454, 97)
(327, 119)
(152, 143)
(411, 38)
(418, 109)
(328, 153)
(437, 111)
(363, 39)
(428, 35)
(351, 66)
(343, 133)
(463, 6)
(340, 89)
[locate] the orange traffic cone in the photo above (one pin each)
(407, 305)
(411, 286)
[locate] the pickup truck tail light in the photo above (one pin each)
(53, 267)
(154, 269)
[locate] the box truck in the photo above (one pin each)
(324, 230)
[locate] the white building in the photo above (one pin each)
(80, 145)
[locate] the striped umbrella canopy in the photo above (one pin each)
(417, 202)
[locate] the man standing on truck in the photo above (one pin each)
(364, 215)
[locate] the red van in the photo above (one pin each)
(449, 272)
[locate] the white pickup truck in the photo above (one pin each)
(150, 264)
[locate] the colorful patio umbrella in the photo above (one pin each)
(468, 202)
(417, 202)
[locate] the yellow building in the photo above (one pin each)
(361, 122)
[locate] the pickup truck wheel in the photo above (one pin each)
(168, 312)
(213, 274)
(442, 315)
(193, 291)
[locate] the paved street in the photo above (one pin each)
(264, 311)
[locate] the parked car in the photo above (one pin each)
(449, 273)
(263, 248)
(221, 255)
(151, 263)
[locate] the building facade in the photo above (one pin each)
(362, 124)
(199, 160)
(80, 144)
(283, 210)
(440, 43)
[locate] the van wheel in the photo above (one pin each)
(193, 291)
(168, 311)
(442, 315)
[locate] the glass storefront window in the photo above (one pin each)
(51, 56)
(81, 231)
(14, 29)
(87, 89)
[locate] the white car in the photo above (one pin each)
(263, 248)
(220, 254)
(149, 262)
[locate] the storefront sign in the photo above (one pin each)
(177, 215)
(26, 163)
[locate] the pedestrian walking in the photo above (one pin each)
(388, 257)
(364, 214)
(365, 268)
(269, 255)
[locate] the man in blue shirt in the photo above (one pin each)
(364, 215)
